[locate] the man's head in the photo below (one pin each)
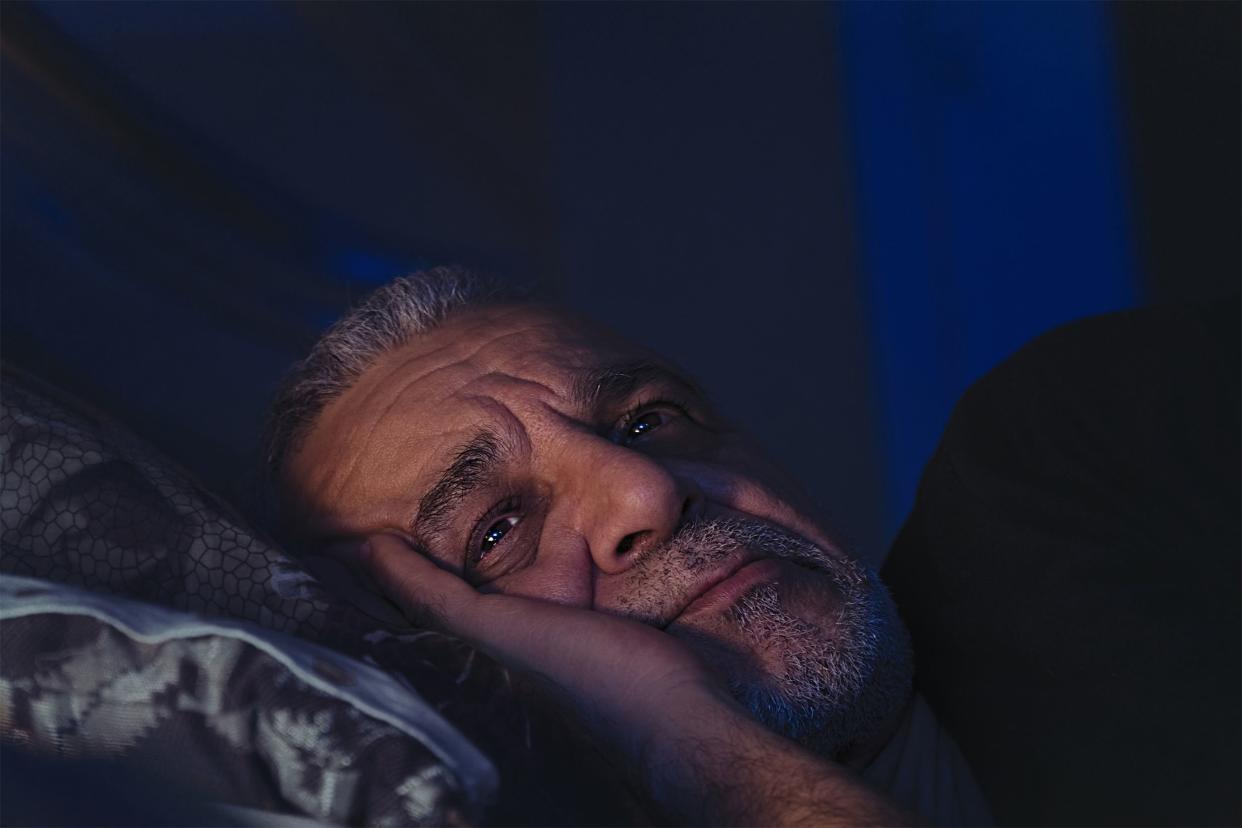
(538, 455)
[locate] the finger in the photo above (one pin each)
(349, 553)
(427, 594)
(585, 654)
(507, 626)
(342, 577)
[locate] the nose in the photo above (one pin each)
(628, 503)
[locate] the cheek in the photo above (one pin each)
(722, 648)
(561, 573)
(744, 481)
(746, 460)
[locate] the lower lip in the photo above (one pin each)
(726, 593)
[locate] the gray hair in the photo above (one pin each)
(387, 319)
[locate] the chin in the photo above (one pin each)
(812, 646)
(818, 656)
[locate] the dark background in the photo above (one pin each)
(837, 216)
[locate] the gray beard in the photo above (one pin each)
(842, 680)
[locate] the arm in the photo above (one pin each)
(695, 754)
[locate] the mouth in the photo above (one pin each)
(726, 585)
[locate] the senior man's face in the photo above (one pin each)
(538, 456)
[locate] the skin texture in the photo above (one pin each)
(570, 535)
(695, 756)
(375, 449)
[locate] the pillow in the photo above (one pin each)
(232, 715)
(85, 502)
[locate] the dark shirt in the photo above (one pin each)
(1070, 574)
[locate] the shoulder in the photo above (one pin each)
(1115, 360)
(1140, 400)
(1070, 572)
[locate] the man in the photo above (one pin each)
(573, 505)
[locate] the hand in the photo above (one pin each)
(629, 682)
(695, 753)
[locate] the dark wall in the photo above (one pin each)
(1182, 87)
(193, 191)
(837, 216)
(705, 209)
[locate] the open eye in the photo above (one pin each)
(643, 419)
(642, 424)
(496, 532)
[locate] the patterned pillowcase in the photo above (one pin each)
(85, 502)
(229, 715)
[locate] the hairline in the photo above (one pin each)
(381, 323)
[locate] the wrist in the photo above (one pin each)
(722, 767)
(693, 769)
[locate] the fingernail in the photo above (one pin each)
(365, 552)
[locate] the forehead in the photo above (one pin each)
(375, 442)
(519, 346)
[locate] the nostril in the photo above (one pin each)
(627, 543)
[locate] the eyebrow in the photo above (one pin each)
(473, 465)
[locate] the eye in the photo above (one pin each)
(645, 418)
(496, 532)
(641, 425)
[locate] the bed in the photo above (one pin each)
(154, 638)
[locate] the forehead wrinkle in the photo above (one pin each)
(454, 362)
(553, 335)
(376, 386)
(543, 352)
(502, 378)
(377, 393)
(512, 444)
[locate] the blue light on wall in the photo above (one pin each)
(357, 264)
(991, 198)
